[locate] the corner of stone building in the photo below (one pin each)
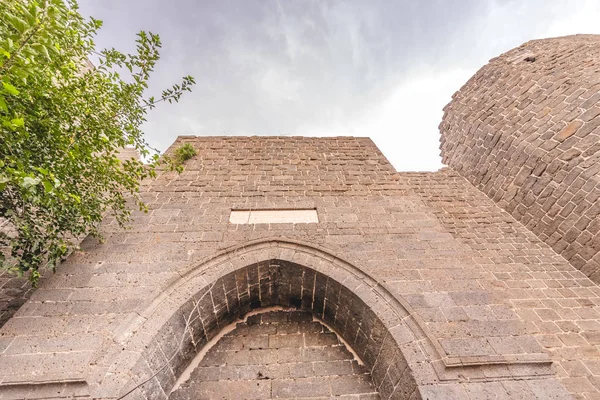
(179, 140)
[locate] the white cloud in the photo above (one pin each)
(406, 126)
(403, 125)
(383, 69)
(584, 19)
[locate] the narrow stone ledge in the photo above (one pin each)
(72, 387)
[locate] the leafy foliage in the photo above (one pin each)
(62, 124)
(182, 154)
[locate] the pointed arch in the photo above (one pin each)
(158, 344)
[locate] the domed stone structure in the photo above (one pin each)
(526, 131)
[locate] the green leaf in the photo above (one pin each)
(8, 124)
(33, 10)
(42, 49)
(17, 22)
(75, 197)
(3, 105)
(10, 89)
(48, 186)
(30, 15)
(18, 122)
(29, 182)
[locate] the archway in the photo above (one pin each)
(209, 297)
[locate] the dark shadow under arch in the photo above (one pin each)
(276, 352)
(278, 283)
(155, 345)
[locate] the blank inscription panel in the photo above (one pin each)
(298, 216)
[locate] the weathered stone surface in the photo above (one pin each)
(459, 310)
(527, 133)
(569, 130)
(441, 292)
(230, 369)
(544, 291)
(14, 292)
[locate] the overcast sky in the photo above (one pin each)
(382, 69)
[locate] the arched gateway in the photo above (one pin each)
(266, 273)
(438, 292)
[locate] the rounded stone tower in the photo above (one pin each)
(526, 131)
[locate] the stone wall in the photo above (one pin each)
(15, 290)
(451, 312)
(558, 304)
(526, 131)
(278, 355)
(432, 279)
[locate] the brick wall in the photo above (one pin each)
(452, 317)
(526, 130)
(425, 267)
(558, 304)
(282, 166)
(278, 354)
(15, 290)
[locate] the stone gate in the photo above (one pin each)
(293, 267)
